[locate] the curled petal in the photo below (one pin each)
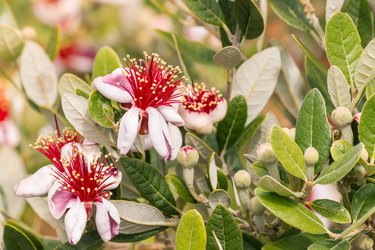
(37, 184)
(197, 121)
(113, 181)
(219, 112)
(128, 130)
(159, 133)
(107, 220)
(176, 140)
(75, 221)
(92, 150)
(59, 200)
(171, 115)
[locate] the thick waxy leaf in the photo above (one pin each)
(150, 184)
(343, 44)
(70, 83)
(339, 148)
(365, 71)
(206, 10)
(106, 60)
(89, 240)
(76, 111)
(179, 187)
(228, 57)
(248, 18)
(18, 238)
(256, 80)
(288, 152)
(204, 150)
(136, 237)
(226, 229)
(338, 87)
(332, 210)
(330, 245)
(230, 128)
(297, 241)
(292, 13)
(269, 183)
(11, 43)
(248, 132)
(337, 170)
(191, 233)
(38, 75)
(367, 127)
(312, 128)
(361, 14)
(100, 110)
(291, 212)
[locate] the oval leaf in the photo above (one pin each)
(269, 183)
(248, 18)
(11, 43)
(100, 110)
(338, 87)
(228, 57)
(206, 10)
(256, 80)
(106, 60)
(365, 70)
(72, 84)
(204, 150)
(218, 196)
(191, 233)
(330, 245)
(288, 153)
(367, 127)
(339, 148)
(331, 210)
(179, 187)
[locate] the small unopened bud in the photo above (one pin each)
(242, 179)
(311, 156)
(357, 117)
(265, 153)
(359, 171)
(256, 207)
(342, 117)
(291, 132)
(28, 33)
(364, 242)
(188, 157)
(364, 154)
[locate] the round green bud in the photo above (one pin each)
(242, 179)
(342, 117)
(188, 157)
(311, 156)
(364, 242)
(256, 207)
(266, 154)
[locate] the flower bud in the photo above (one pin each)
(311, 156)
(242, 179)
(357, 117)
(265, 153)
(291, 132)
(188, 157)
(28, 33)
(256, 207)
(364, 154)
(364, 242)
(342, 117)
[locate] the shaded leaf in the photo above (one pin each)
(248, 132)
(179, 187)
(206, 10)
(11, 43)
(100, 110)
(330, 245)
(267, 182)
(367, 127)
(136, 237)
(339, 148)
(249, 18)
(365, 70)
(331, 210)
(17, 237)
(54, 41)
(228, 57)
(204, 150)
(338, 87)
(297, 241)
(89, 240)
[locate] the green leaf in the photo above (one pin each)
(339, 148)
(247, 133)
(229, 129)
(367, 127)
(222, 181)
(370, 89)
(72, 84)
(330, 245)
(6, 15)
(179, 187)
(226, 229)
(312, 128)
(89, 240)
(193, 50)
(365, 71)
(204, 150)
(291, 12)
(337, 170)
(331, 210)
(249, 18)
(361, 14)
(259, 169)
(291, 212)
(338, 87)
(269, 183)
(297, 241)
(343, 44)
(136, 237)
(288, 153)
(11, 43)
(100, 110)
(228, 57)
(106, 61)
(191, 233)
(150, 184)
(208, 11)
(18, 238)
(227, 7)
(317, 78)
(54, 41)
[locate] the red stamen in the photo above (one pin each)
(200, 99)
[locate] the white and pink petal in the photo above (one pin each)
(128, 130)
(107, 220)
(59, 200)
(75, 222)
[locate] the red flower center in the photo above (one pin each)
(152, 83)
(4, 105)
(86, 180)
(200, 99)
